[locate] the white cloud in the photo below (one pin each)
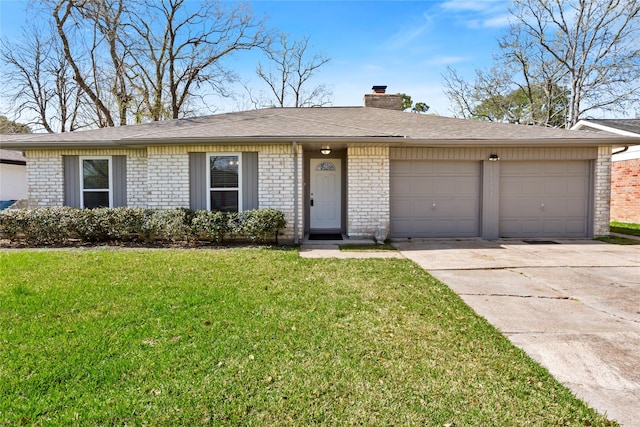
(446, 60)
(405, 36)
(474, 6)
(500, 21)
(479, 14)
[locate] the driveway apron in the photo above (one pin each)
(572, 305)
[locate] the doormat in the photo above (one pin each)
(325, 236)
(541, 242)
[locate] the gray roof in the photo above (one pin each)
(332, 124)
(13, 156)
(611, 125)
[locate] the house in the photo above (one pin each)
(625, 168)
(349, 170)
(13, 177)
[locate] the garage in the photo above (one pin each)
(544, 199)
(431, 198)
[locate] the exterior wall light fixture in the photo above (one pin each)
(325, 150)
(494, 157)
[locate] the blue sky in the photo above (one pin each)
(406, 45)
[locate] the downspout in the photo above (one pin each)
(294, 146)
(621, 151)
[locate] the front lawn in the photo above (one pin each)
(255, 337)
(625, 228)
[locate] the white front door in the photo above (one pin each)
(325, 193)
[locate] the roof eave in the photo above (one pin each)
(48, 145)
(312, 140)
(544, 142)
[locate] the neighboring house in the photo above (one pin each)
(13, 177)
(349, 170)
(625, 168)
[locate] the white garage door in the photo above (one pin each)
(544, 199)
(435, 198)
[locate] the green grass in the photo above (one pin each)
(614, 240)
(625, 228)
(255, 337)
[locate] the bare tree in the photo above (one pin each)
(494, 96)
(559, 61)
(107, 18)
(130, 60)
(290, 71)
(596, 43)
(171, 68)
(38, 83)
(67, 15)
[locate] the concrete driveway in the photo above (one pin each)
(572, 306)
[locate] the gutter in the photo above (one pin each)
(626, 148)
(13, 162)
(394, 141)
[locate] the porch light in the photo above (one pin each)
(325, 150)
(494, 157)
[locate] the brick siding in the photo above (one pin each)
(44, 179)
(159, 178)
(368, 190)
(625, 191)
(168, 178)
(602, 192)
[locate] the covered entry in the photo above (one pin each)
(544, 199)
(432, 198)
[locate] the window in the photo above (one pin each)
(224, 174)
(95, 182)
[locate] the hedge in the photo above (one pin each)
(61, 225)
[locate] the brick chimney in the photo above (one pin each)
(380, 99)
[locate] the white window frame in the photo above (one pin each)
(238, 189)
(82, 189)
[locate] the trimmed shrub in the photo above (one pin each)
(261, 225)
(101, 225)
(37, 226)
(168, 225)
(211, 226)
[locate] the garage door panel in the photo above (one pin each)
(511, 188)
(576, 208)
(445, 198)
(576, 226)
(400, 168)
(544, 199)
(577, 186)
(404, 204)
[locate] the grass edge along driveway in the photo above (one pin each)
(255, 337)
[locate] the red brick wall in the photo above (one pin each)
(625, 191)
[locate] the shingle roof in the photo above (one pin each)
(13, 156)
(332, 123)
(628, 125)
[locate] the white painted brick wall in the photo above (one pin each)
(45, 175)
(602, 196)
(44, 179)
(137, 180)
(276, 187)
(368, 190)
(167, 178)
